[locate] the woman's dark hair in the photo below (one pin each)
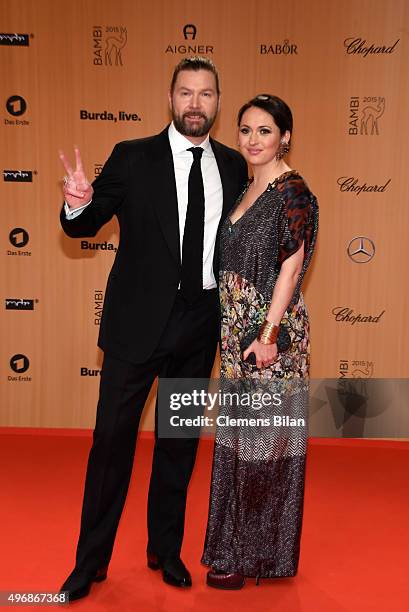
(274, 106)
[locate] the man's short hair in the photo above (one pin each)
(195, 63)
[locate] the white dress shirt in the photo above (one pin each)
(182, 161)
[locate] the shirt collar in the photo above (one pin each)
(179, 143)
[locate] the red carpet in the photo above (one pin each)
(354, 546)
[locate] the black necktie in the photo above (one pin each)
(191, 282)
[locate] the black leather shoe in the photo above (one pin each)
(79, 582)
(173, 569)
(153, 561)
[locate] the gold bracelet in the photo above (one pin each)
(268, 333)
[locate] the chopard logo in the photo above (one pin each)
(18, 176)
(346, 315)
(352, 184)
(361, 249)
(359, 46)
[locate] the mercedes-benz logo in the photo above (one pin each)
(361, 249)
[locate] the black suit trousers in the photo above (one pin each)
(186, 350)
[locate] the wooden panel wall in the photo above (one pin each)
(342, 67)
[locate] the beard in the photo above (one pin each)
(199, 129)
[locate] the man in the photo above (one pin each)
(170, 193)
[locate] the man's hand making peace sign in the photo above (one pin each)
(77, 189)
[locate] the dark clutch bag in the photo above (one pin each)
(283, 341)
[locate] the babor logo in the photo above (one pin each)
(364, 115)
(19, 237)
(189, 31)
(108, 43)
(361, 249)
(19, 363)
(284, 48)
(16, 106)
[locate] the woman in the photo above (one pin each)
(255, 513)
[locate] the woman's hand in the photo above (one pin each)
(265, 354)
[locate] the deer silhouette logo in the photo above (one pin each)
(113, 49)
(370, 116)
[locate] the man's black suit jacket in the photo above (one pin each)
(138, 185)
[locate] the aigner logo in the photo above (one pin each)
(14, 40)
(108, 43)
(352, 184)
(19, 363)
(361, 249)
(359, 46)
(18, 176)
(364, 115)
(19, 304)
(189, 33)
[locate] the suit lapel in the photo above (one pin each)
(164, 186)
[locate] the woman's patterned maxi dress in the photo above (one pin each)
(257, 491)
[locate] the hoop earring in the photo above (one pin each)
(282, 150)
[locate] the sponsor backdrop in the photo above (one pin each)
(94, 72)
